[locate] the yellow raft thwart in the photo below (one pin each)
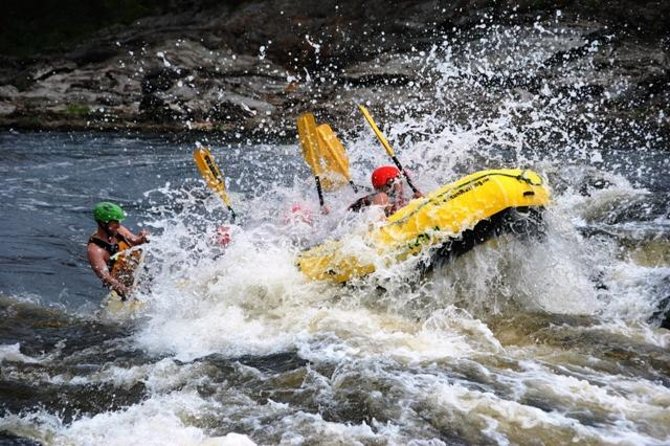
(457, 215)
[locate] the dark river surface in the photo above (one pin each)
(545, 341)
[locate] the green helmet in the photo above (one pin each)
(106, 212)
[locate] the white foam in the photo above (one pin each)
(158, 421)
(12, 353)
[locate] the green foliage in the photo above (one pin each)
(79, 110)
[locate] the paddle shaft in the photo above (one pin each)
(319, 191)
(404, 173)
(384, 142)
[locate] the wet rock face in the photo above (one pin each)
(252, 67)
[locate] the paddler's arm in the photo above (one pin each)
(134, 240)
(96, 257)
(417, 193)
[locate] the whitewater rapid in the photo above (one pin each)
(520, 341)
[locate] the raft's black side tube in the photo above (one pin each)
(523, 221)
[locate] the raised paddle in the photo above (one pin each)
(334, 153)
(386, 145)
(212, 174)
(309, 145)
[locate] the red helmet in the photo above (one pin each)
(382, 175)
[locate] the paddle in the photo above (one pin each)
(212, 174)
(334, 152)
(309, 144)
(386, 145)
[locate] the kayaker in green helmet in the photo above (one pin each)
(109, 248)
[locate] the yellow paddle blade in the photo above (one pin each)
(332, 151)
(375, 129)
(308, 142)
(211, 173)
(388, 147)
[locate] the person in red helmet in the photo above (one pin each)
(389, 191)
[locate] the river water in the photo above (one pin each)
(548, 341)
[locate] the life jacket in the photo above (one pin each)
(121, 264)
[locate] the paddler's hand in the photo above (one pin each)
(121, 290)
(325, 210)
(143, 236)
(417, 194)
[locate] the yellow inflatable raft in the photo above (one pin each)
(452, 218)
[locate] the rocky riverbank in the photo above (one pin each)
(251, 68)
